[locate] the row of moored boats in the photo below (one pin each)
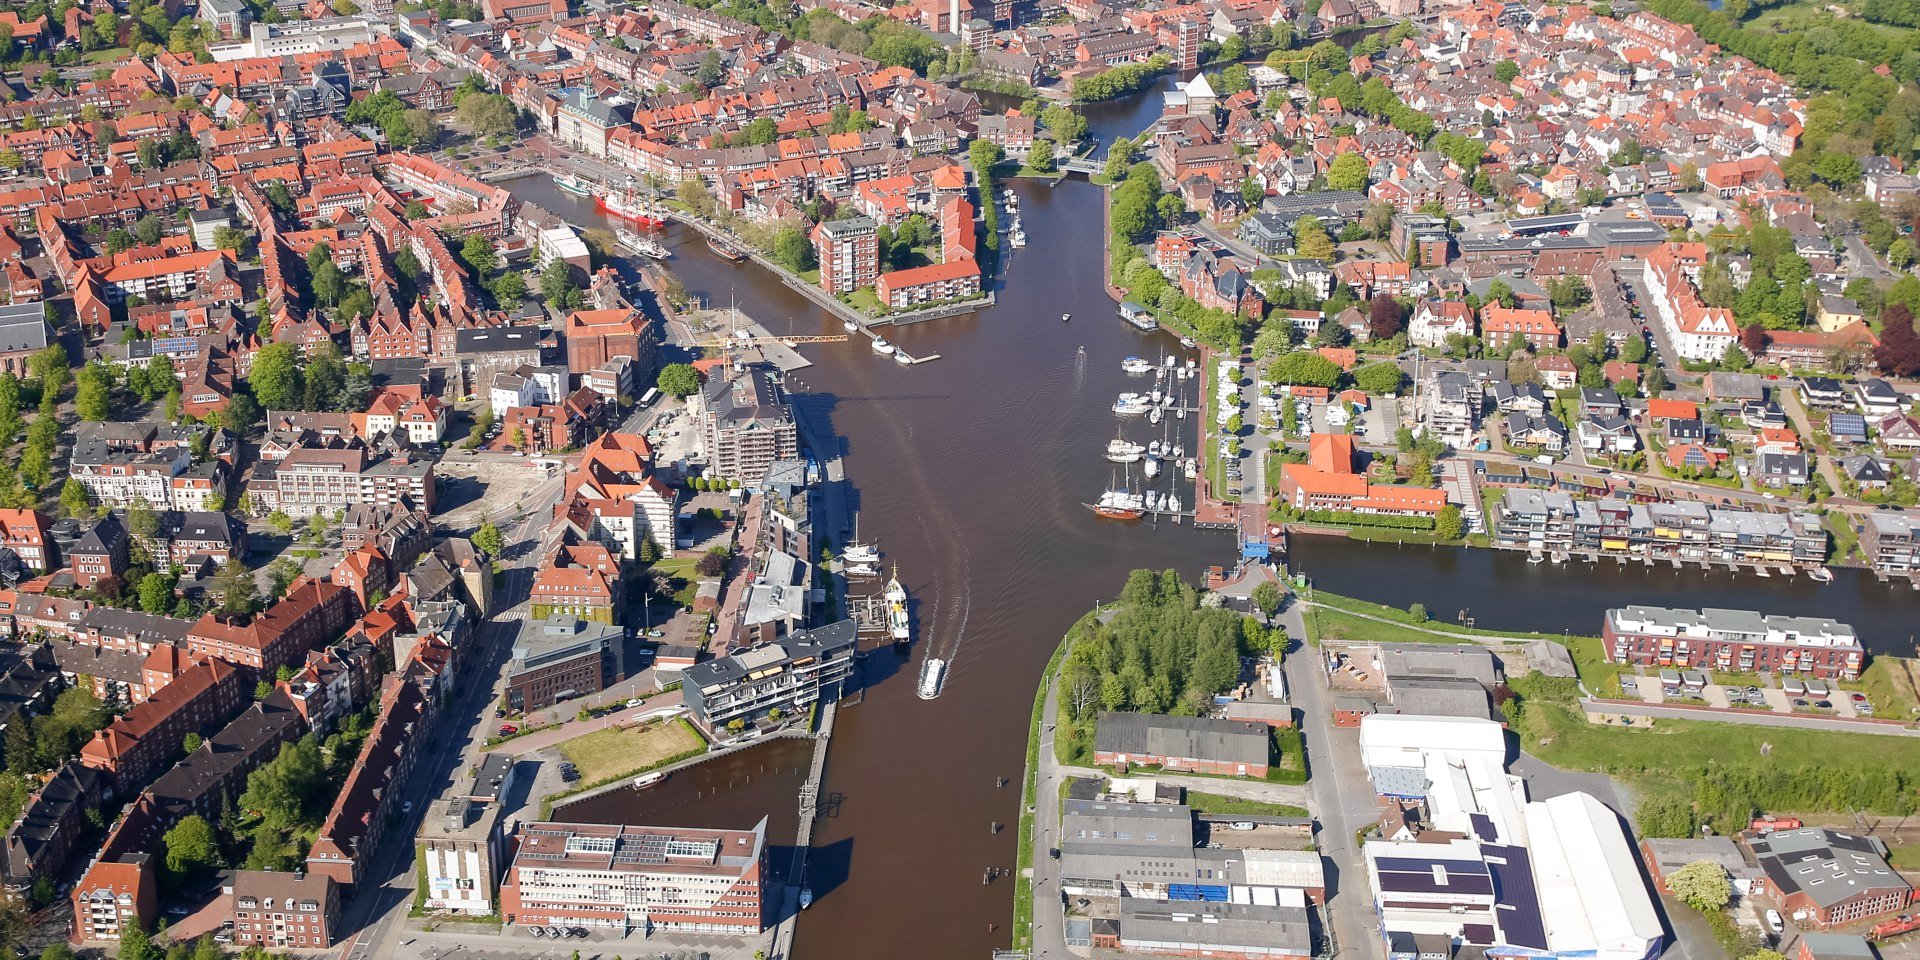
(1124, 499)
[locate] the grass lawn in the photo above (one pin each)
(1846, 539)
(1906, 858)
(615, 752)
(1590, 661)
(1338, 625)
(679, 570)
(1215, 803)
(864, 301)
(1674, 748)
(114, 55)
(1351, 605)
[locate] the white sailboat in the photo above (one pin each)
(860, 553)
(1120, 450)
(1130, 404)
(1136, 366)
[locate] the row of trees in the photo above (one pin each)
(1116, 82)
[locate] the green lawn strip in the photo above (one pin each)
(1907, 858)
(1339, 625)
(1675, 748)
(1352, 605)
(1218, 804)
(1846, 539)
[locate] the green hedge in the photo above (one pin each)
(1352, 519)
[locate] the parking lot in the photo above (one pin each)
(1792, 695)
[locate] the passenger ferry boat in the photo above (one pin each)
(933, 676)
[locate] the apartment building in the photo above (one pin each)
(788, 675)
(310, 480)
(1552, 521)
(282, 910)
(1891, 542)
(578, 580)
(55, 817)
(132, 748)
(1450, 408)
(745, 422)
(368, 802)
(1741, 641)
(312, 614)
(625, 877)
(849, 254)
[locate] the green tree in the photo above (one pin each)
(678, 380)
(1310, 240)
(94, 397)
(236, 588)
(192, 848)
(1702, 885)
(1041, 156)
(1305, 368)
(1347, 172)
(73, 499)
(230, 238)
(1900, 254)
(1382, 378)
(1447, 524)
(156, 593)
(478, 254)
(489, 540)
(1267, 597)
(792, 250)
(1505, 71)
(134, 942)
(276, 376)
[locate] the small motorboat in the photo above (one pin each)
(806, 897)
(646, 780)
(1821, 574)
(1136, 366)
(1188, 342)
(1066, 317)
(849, 326)
(863, 571)
(902, 359)
(881, 346)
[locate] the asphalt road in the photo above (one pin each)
(379, 909)
(1340, 807)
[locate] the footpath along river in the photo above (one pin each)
(970, 472)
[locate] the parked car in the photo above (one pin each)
(1774, 923)
(508, 729)
(1858, 697)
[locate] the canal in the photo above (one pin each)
(970, 472)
